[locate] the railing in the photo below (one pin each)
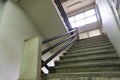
(72, 36)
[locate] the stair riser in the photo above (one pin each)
(84, 47)
(89, 65)
(84, 78)
(85, 74)
(91, 49)
(92, 69)
(85, 61)
(90, 57)
(94, 38)
(75, 55)
(86, 44)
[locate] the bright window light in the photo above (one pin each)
(89, 13)
(91, 19)
(73, 24)
(79, 16)
(80, 23)
(91, 33)
(71, 19)
(83, 35)
(83, 18)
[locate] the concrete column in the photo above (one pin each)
(31, 60)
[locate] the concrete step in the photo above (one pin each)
(88, 59)
(94, 75)
(89, 43)
(84, 78)
(90, 69)
(96, 52)
(91, 49)
(85, 61)
(93, 65)
(87, 67)
(91, 58)
(89, 46)
(93, 39)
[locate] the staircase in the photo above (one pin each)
(88, 59)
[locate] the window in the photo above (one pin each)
(83, 18)
(91, 33)
(83, 35)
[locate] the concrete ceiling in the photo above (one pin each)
(73, 5)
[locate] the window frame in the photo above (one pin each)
(84, 18)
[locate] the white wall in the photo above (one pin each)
(15, 27)
(44, 15)
(109, 23)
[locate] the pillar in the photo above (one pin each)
(31, 60)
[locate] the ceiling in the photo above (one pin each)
(73, 5)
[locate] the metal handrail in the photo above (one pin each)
(73, 37)
(60, 50)
(58, 36)
(57, 44)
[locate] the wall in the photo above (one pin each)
(15, 27)
(109, 23)
(47, 18)
(44, 15)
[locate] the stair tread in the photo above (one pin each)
(91, 57)
(85, 61)
(96, 57)
(80, 44)
(82, 47)
(86, 74)
(89, 53)
(92, 48)
(94, 38)
(93, 64)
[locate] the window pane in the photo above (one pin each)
(73, 25)
(80, 23)
(71, 19)
(91, 19)
(89, 13)
(83, 35)
(79, 16)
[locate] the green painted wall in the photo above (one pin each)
(15, 27)
(109, 23)
(31, 59)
